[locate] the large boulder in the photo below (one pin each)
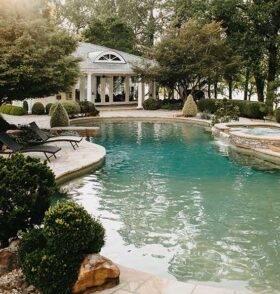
(96, 274)
(9, 258)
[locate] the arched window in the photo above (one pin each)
(109, 57)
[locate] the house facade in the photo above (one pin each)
(107, 78)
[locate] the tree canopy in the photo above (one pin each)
(111, 32)
(35, 56)
(189, 56)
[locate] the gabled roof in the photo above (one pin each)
(89, 52)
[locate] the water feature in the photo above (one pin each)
(174, 205)
(258, 131)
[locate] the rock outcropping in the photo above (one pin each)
(8, 258)
(96, 273)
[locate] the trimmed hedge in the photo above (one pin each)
(248, 109)
(207, 105)
(172, 104)
(277, 115)
(71, 107)
(38, 108)
(151, 104)
(12, 109)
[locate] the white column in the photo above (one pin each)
(126, 88)
(89, 92)
(154, 90)
(140, 95)
(73, 91)
(82, 88)
(111, 90)
(103, 88)
(94, 87)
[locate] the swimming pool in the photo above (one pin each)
(174, 205)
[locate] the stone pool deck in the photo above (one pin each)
(137, 282)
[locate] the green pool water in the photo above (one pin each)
(174, 204)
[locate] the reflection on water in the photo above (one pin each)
(172, 204)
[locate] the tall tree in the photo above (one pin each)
(189, 56)
(73, 14)
(35, 57)
(253, 32)
(111, 32)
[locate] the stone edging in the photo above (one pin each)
(194, 121)
(84, 162)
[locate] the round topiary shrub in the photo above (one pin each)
(25, 191)
(38, 108)
(88, 108)
(51, 257)
(151, 104)
(71, 225)
(48, 107)
(277, 115)
(59, 117)
(44, 269)
(72, 108)
(25, 106)
(190, 108)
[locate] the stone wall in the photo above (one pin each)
(253, 143)
(241, 140)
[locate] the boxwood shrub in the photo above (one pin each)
(207, 105)
(52, 273)
(59, 117)
(88, 108)
(277, 115)
(25, 191)
(48, 107)
(50, 257)
(253, 110)
(25, 106)
(72, 108)
(71, 225)
(12, 109)
(38, 108)
(151, 104)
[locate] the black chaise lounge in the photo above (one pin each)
(15, 147)
(46, 139)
